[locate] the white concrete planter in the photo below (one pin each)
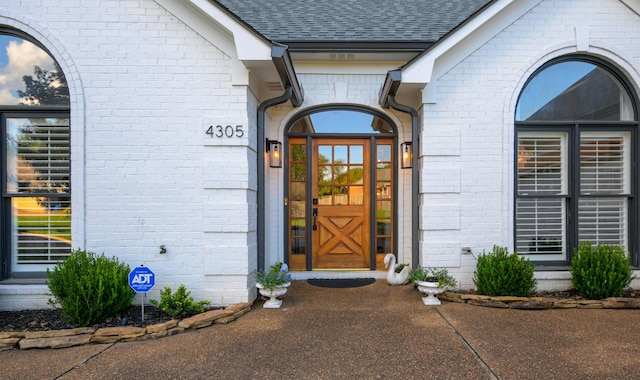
(431, 289)
(272, 302)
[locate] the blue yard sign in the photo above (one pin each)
(141, 279)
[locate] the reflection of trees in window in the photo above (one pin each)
(324, 176)
(298, 159)
(47, 88)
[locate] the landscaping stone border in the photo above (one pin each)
(541, 303)
(88, 335)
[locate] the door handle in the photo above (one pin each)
(315, 218)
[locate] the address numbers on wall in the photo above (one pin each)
(225, 131)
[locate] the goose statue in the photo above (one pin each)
(394, 278)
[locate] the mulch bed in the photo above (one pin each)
(53, 319)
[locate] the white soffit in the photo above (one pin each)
(634, 5)
(454, 48)
(222, 30)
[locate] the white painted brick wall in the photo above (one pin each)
(468, 132)
(147, 85)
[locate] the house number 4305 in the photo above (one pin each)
(225, 131)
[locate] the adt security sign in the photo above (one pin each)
(141, 279)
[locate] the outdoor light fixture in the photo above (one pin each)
(407, 154)
(274, 150)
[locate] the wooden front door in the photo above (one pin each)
(340, 191)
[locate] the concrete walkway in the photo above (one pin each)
(371, 332)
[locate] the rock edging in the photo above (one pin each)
(541, 303)
(88, 335)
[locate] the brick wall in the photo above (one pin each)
(467, 140)
(144, 88)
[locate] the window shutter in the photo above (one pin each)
(42, 159)
(541, 185)
(604, 183)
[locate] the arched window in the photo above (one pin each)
(36, 189)
(576, 140)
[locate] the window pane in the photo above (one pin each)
(324, 195)
(540, 227)
(325, 154)
(383, 227)
(604, 164)
(298, 172)
(30, 76)
(41, 233)
(356, 155)
(383, 173)
(38, 156)
(541, 168)
(299, 246)
(383, 153)
(298, 153)
(356, 175)
(356, 196)
(602, 220)
(383, 209)
(340, 175)
(341, 121)
(383, 245)
(574, 90)
(298, 209)
(340, 154)
(383, 190)
(324, 175)
(298, 190)
(298, 227)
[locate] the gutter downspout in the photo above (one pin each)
(386, 99)
(293, 92)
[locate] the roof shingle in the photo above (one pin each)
(291, 21)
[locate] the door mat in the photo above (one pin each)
(341, 282)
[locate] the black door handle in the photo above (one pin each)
(315, 218)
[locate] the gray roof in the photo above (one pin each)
(353, 21)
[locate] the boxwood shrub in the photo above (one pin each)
(90, 288)
(499, 273)
(601, 271)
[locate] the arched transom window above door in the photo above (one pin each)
(576, 147)
(341, 121)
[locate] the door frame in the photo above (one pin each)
(375, 263)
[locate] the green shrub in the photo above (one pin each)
(90, 288)
(179, 305)
(502, 274)
(600, 272)
(439, 275)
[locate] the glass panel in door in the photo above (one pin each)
(340, 206)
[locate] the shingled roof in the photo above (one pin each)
(404, 22)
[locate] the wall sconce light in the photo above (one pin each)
(407, 155)
(274, 150)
